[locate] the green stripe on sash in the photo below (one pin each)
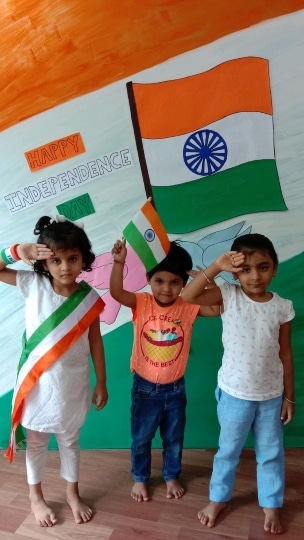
(56, 318)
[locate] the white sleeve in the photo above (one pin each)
(24, 281)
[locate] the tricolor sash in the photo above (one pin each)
(49, 342)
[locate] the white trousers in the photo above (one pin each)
(36, 455)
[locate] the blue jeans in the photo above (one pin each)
(237, 417)
(156, 406)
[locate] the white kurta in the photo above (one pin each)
(60, 400)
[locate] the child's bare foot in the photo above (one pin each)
(81, 511)
(174, 489)
(208, 515)
(44, 515)
(139, 492)
(272, 520)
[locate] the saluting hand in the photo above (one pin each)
(33, 252)
(231, 261)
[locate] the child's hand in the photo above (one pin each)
(192, 272)
(119, 251)
(231, 261)
(287, 412)
(100, 396)
(33, 252)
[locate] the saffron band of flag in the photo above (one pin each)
(147, 236)
(183, 105)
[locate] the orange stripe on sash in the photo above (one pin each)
(46, 361)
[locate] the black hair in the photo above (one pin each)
(178, 261)
(62, 235)
(250, 243)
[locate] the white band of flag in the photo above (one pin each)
(249, 136)
(147, 236)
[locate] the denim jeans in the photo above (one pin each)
(237, 417)
(156, 406)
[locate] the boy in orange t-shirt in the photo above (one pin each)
(162, 334)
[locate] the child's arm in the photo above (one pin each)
(100, 393)
(196, 292)
(26, 253)
(207, 311)
(288, 406)
(126, 298)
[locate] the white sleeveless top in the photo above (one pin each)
(251, 366)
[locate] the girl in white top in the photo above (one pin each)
(255, 389)
(52, 391)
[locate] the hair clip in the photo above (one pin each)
(61, 219)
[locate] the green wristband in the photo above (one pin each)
(7, 256)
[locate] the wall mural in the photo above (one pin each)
(105, 107)
(207, 153)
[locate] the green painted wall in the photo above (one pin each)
(109, 428)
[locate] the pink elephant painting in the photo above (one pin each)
(99, 278)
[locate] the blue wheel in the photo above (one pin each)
(149, 235)
(205, 152)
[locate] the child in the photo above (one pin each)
(52, 393)
(162, 331)
(255, 383)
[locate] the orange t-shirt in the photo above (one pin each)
(162, 337)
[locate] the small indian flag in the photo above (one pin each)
(206, 144)
(147, 236)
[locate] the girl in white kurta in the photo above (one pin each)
(52, 392)
(255, 389)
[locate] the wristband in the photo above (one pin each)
(8, 257)
(206, 278)
(14, 252)
(119, 262)
(289, 400)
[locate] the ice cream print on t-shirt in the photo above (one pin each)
(161, 340)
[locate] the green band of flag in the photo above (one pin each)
(138, 243)
(249, 188)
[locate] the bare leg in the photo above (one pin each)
(44, 515)
(174, 489)
(81, 511)
(208, 515)
(139, 492)
(272, 522)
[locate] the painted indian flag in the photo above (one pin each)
(206, 144)
(147, 236)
